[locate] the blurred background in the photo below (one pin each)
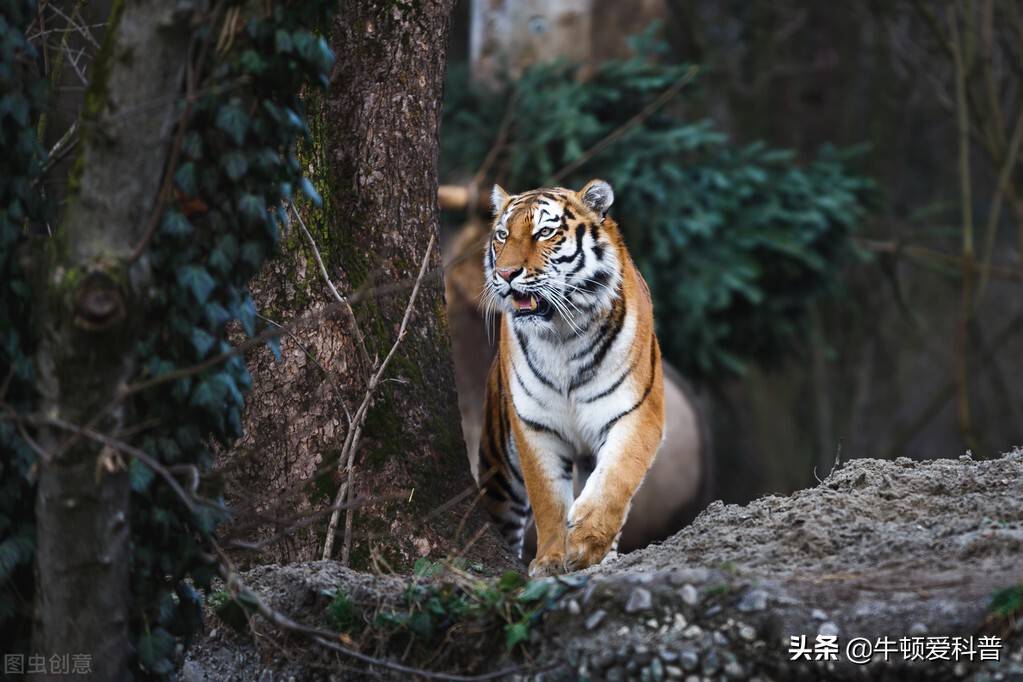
(824, 198)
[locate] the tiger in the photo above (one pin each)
(577, 379)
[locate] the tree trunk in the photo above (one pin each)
(379, 126)
(373, 157)
(89, 296)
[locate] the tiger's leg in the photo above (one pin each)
(547, 468)
(500, 474)
(596, 517)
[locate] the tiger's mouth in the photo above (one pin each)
(531, 305)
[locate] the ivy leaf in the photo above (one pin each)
(216, 315)
(235, 164)
(310, 191)
(252, 207)
(252, 62)
(174, 224)
(197, 280)
(535, 591)
(155, 650)
(252, 253)
(234, 121)
(140, 475)
(246, 313)
(274, 344)
(282, 41)
(204, 396)
(202, 341)
(185, 179)
(515, 633)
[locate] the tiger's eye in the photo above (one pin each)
(501, 235)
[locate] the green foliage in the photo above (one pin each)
(1008, 602)
(342, 614)
(23, 97)
(504, 607)
(735, 241)
(237, 169)
(233, 612)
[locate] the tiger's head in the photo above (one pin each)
(552, 261)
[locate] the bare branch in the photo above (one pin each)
(333, 290)
(355, 430)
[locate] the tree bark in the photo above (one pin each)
(89, 303)
(379, 126)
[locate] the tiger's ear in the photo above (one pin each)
(498, 198)
(598, 196)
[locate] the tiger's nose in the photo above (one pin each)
(508, 274)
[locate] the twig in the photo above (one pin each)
(617, 133)
(1004, 177)
(333, 290)
(63, 146)
(966, 199)
(237, 587)
(355, 431)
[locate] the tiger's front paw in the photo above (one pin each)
(591, 536)
(547, 565)
(586, 548)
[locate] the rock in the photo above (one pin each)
(595, 618)
(753, 600)
(689, 659)
(573, 607)
(711, 663)
(639, 600)
(656, 670)
(674, 672)
(828, 629)
(615, 674)
(679, 623)
(692, 632)
(734, 670)
(747, 632)
(603, 659)
(917, 629)
(817, 614)
(689, 595)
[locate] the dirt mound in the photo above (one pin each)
(899, 554)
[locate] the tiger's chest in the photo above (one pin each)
(575, 384)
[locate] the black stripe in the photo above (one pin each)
(600, 279)
(617, 321)
(529, 362)
(508, 460)
(505, 486)
(646, 393)
(524, 389)
(542, 428)
(608, 391)
(566, 468)
(509, 527)
(579, 232)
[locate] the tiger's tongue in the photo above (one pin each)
(525, 302)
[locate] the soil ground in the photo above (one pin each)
(880, 549)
